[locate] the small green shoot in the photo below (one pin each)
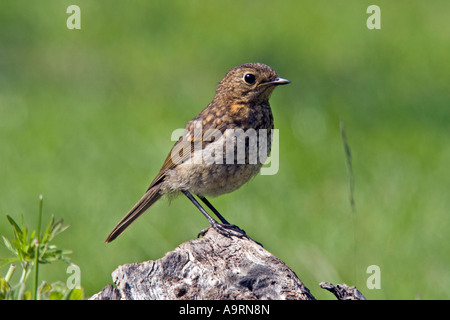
(29, 250)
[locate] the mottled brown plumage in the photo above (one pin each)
(196, 164)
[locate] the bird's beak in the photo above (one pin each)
(278, 81)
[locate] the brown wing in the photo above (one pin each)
(186, 142)
(183, 143)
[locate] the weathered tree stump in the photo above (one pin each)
(214, 267)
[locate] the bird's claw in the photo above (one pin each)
(226, 230)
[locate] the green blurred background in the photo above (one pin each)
(86, 117)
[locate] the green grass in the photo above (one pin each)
(86, 117)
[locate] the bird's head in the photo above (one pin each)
(249, 83)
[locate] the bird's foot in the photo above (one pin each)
(226, 230)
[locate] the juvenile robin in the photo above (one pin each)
(217, 153)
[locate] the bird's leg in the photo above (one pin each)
(225, 222)
(205, 201)
(199, 207)
(225, 229)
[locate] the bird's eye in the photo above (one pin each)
(249, 78)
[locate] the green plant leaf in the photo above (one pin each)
(4, 285)
(6, 261)
(15, 226)
(8, 245)
(44, 288)
(27, 295)
(55, 295)
(76, 294)
(46, 236)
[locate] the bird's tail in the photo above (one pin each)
(149, 198)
